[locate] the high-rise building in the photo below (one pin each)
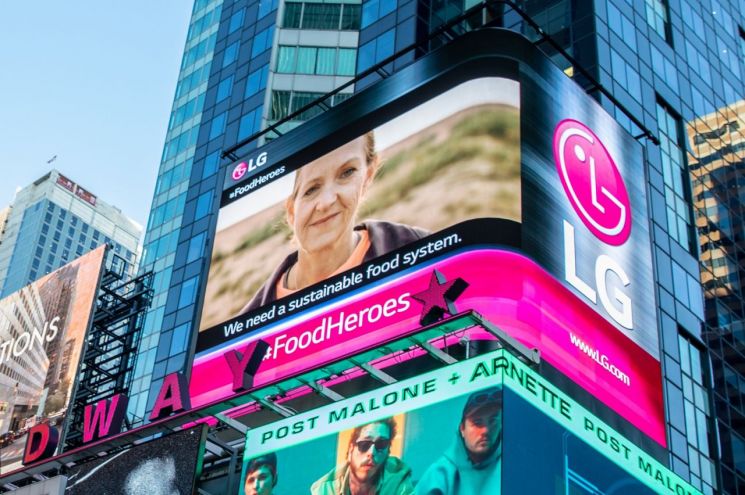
(655, 66)
(55, 220)
(716, 158)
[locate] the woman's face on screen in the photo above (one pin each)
(327, 194)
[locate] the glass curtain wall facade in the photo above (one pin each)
(164, 227)
(55, 220)
(671, 73)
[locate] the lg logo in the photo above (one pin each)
(240, 170)
(592, 182)
(598, 196)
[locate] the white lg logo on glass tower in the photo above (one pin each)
(598, 196)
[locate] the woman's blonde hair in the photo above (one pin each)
(371, 160)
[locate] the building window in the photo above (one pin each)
(211, 164)
(186, 111)
(188, 292)
(321, 16)
(372, 10)
(204, 203)
(625, 74)
(316, 60)
(376, 50)
(179, 339)
(250, 123)
(217, 127)
(256, 81)
(196, 247)
(203, 23)
(224, 89)
(230, 54)
(262, 41)
(675, 175)
(658, 17)
(267, 6)
(236, 21)
(696, 412)
(622, 26)
(286, 102)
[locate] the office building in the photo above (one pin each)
(53, 221)
(659, 68)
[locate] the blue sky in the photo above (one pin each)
(91, 81)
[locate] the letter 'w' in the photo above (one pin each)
(105, 418)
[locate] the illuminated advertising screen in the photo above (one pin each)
(42, 334)
(568, 465)
(167, 465)
(502, 182)
(473, 427)
(392, 440)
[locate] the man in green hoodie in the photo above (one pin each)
(472, 465)
(369, 468)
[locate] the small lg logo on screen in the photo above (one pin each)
(592, 182)
(240, 170)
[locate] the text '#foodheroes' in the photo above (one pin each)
(336, 325)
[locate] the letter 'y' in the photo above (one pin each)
(244, 366)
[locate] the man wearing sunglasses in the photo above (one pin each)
(472, 464)
(369, 468)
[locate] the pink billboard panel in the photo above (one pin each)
(507, 288)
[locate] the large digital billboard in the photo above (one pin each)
(454, 158)
(473, 427)
(168, 465)
(42, 336)
(503, 175)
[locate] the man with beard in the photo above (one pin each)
(472, 465)
(369, 468)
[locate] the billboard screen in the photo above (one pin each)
(328, 239)
(388, 441)
(568, 465)
(42, 335)
(472, 427)
(454, 158)
(166, 465)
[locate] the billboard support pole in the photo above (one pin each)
(530, 356)
(326, 392)
(435, 352)
(233, 463)
(277, 408)
(230, 422)
(379, 375)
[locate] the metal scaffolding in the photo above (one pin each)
(107, 364)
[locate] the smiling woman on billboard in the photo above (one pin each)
(322, 212)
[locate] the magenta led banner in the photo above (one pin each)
(505, 287)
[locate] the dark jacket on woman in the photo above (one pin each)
(384, 238)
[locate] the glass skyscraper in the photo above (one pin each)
(670, 72)
(53, 221)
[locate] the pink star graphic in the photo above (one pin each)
(439, 298)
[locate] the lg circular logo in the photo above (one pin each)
(592, 182)
(240, 170)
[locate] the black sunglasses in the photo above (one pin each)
(380, 444)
